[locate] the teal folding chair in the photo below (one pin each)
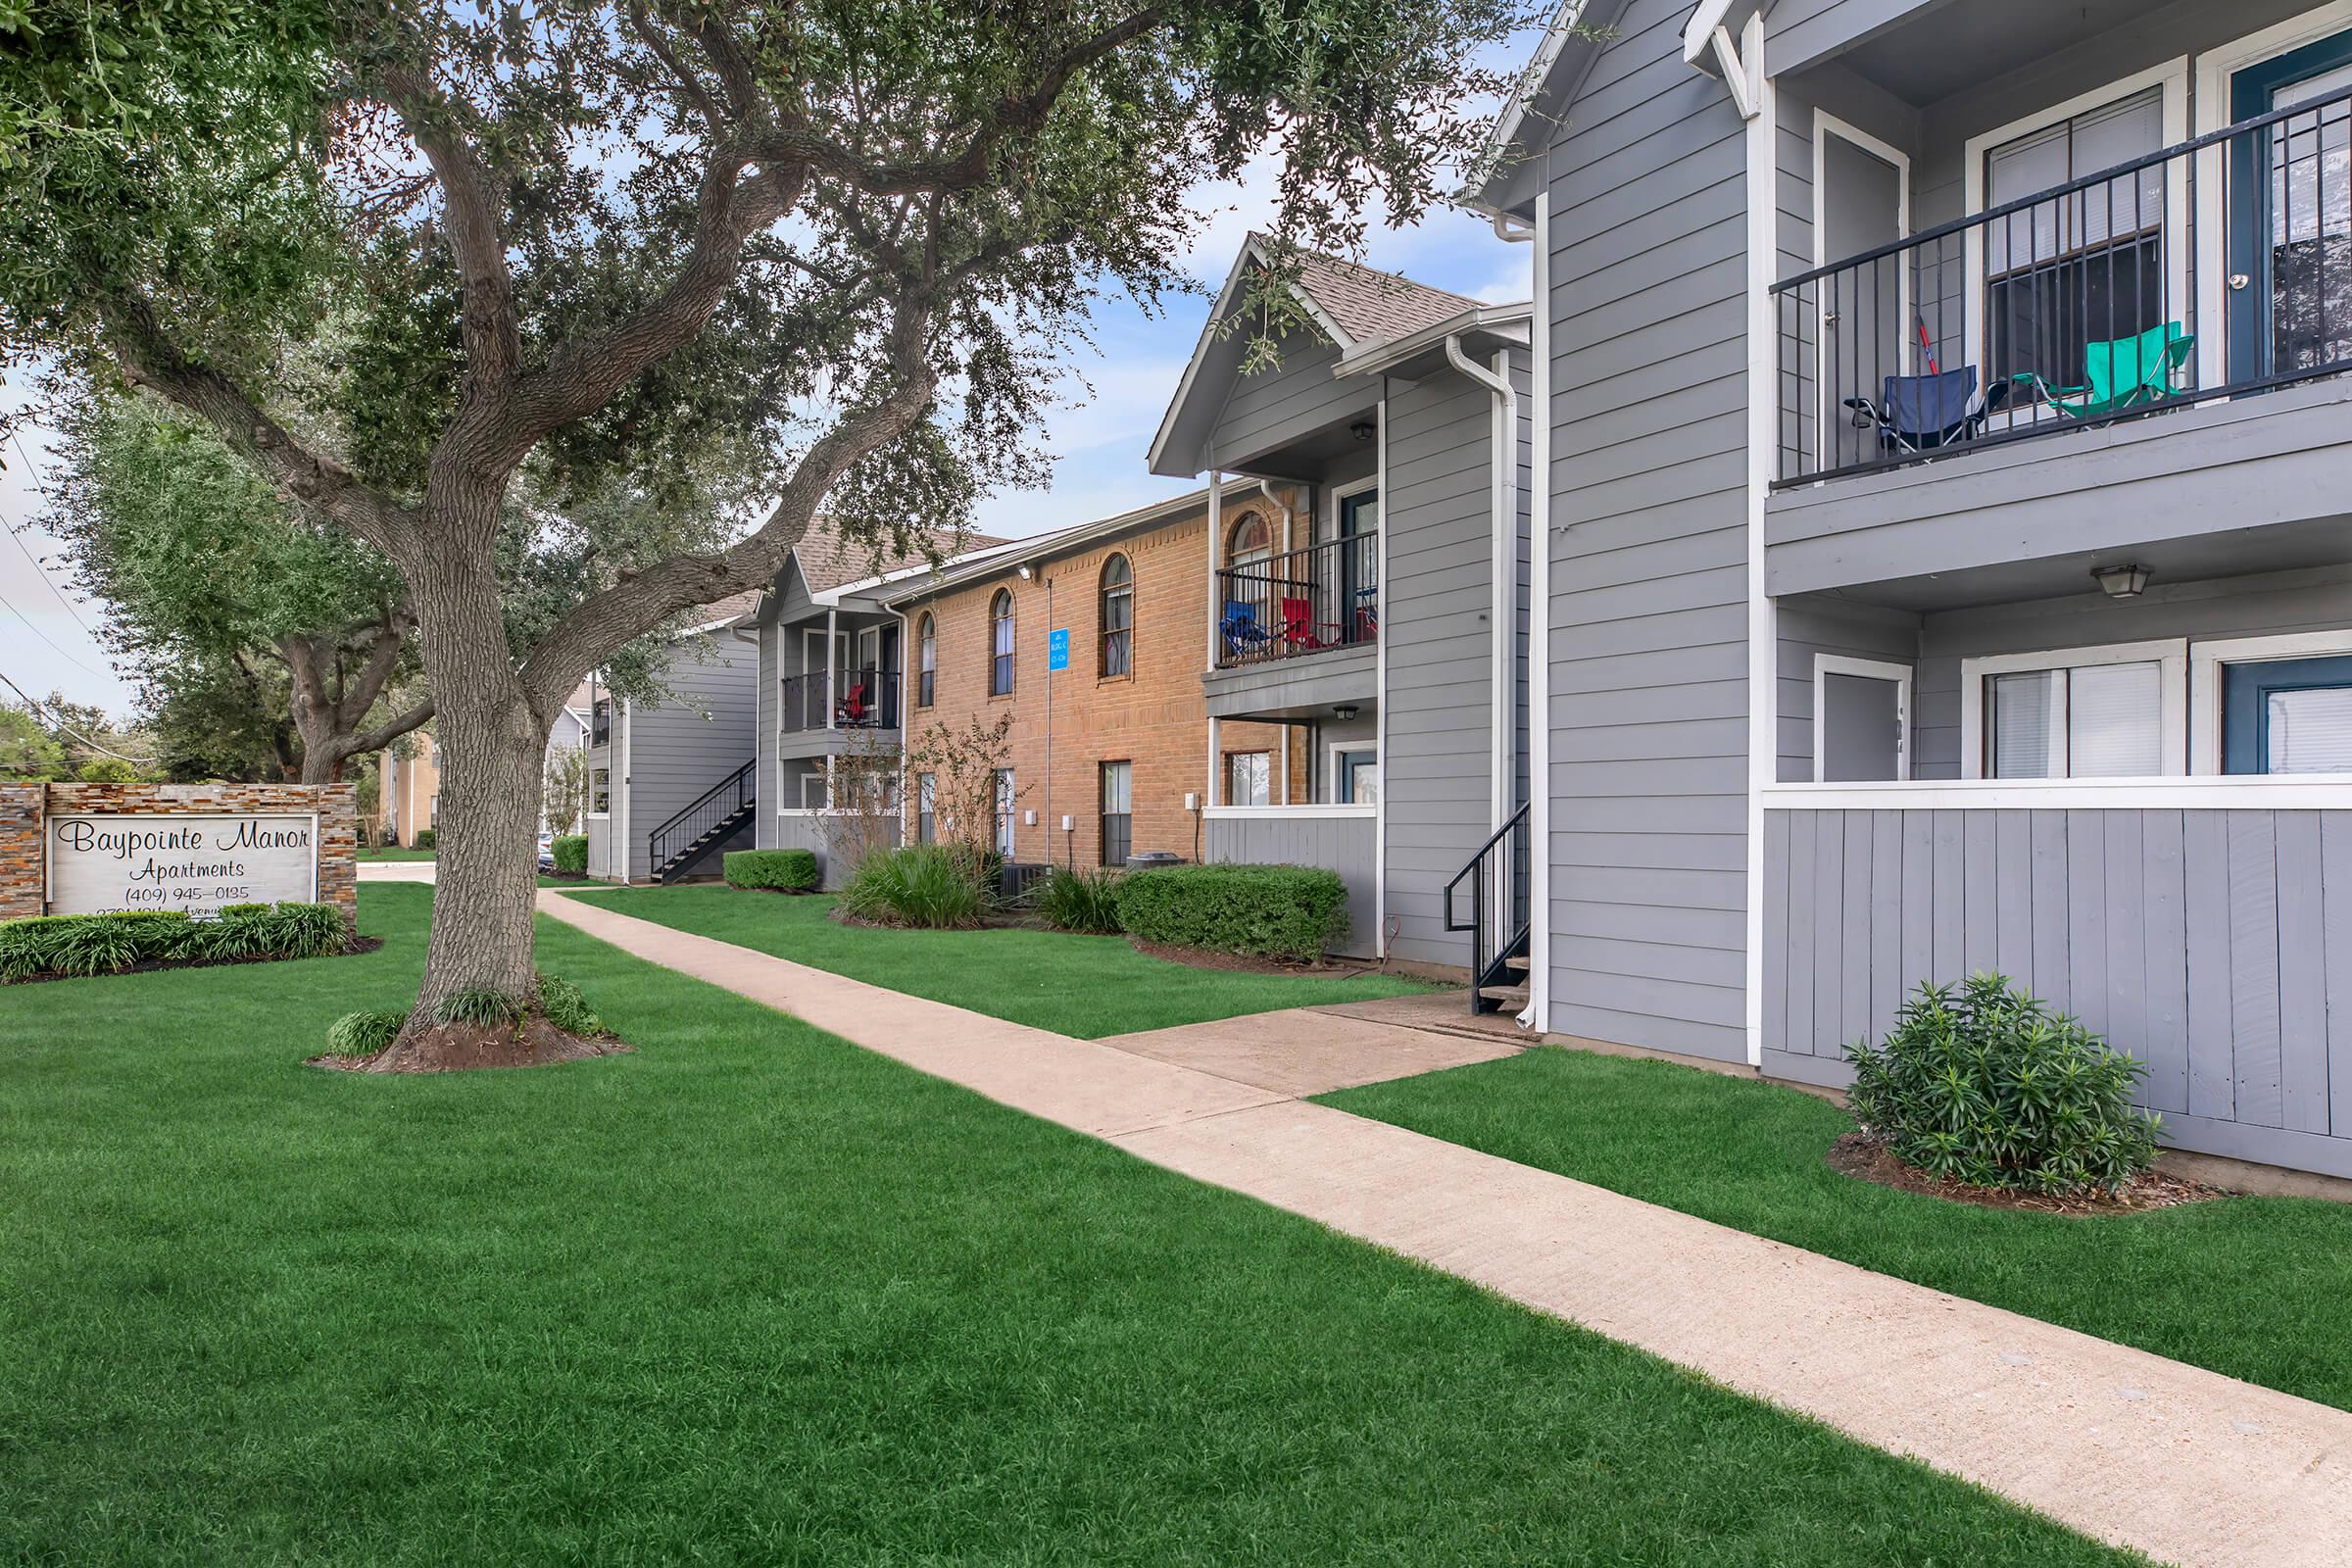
(2118, 375)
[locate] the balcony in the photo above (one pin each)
(1319, 600)
(844, 699)
(2216, 268)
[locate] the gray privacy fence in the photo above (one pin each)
(2203, 926)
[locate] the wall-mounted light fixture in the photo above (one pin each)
(2121, 582)
(1364, 429)
(1026, 572)
(1344, 712)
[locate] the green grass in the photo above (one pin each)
(2259, 1288)
(1088, 987)
(394, 852)
(749, 1295)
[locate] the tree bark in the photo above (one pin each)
(491, 743)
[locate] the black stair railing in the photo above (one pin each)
(717, 808)
(1499, 880)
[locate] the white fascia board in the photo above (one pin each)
(1514, 323)
(1529, 87)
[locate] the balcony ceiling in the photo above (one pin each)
(1949, 47)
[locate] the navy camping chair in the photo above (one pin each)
(1243, 634)
(1920, 413)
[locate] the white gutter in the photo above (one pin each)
(1502, 493)
(1385, 353)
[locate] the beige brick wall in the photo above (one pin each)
(1154, 717)
(25, 807)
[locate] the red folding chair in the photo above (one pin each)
(1299, 626)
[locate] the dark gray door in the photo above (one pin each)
(1862, 307)
(1862, 729)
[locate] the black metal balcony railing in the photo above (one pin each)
(1300, 602)
(2079, 305)
(853, 699)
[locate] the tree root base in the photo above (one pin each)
(465, 1047)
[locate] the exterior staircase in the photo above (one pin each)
(710, 820)
(1498, 880)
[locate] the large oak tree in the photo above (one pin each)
(826, 249)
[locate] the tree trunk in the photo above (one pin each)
(491, 742)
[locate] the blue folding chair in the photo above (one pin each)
(1241, 630)
(1920, 413)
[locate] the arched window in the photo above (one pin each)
(999, 626)
(926, 662)
(1117, 618)
(1251, 543)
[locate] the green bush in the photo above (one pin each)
(921, 885)
(1079, 900)
(100, 944)
(570, 851)
(363, 1034)
(107, 770)
(788, 870)
(1266, 911)
(425, 839)
(1985, 1085)
(560, 1003)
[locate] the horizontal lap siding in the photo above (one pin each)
(1341, 844)
(2215, 945)
(694, 738)
(1438, 620)
(1266, 409)
(1646, 628)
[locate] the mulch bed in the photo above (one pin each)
(467, 1048)
(1867, 1158)
(359, 944)
(1244, 963)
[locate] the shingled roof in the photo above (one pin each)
(1367, 304)
(827, 560)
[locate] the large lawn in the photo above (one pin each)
(1088, 987)
(2259, 1288)
(749, 1295)
(393, 852)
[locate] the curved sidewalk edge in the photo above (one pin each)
(2183, 1464)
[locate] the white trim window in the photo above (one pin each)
(2116, 712)
(2209, 665)
(600, 792)
(1248, 778)
(813, 789)
(1355, 773)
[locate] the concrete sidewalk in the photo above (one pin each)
(2183, 1464)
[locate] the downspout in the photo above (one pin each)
(628, 846)
(905, 715)
(763, 834)
(1503, 514)
(1539, 640)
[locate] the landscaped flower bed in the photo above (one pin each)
(59, 946)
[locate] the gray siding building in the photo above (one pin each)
(1943, 553)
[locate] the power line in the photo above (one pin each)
(39, 570)
(95, 746)
(45, 637)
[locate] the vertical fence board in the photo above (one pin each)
(1828, 934)
(2053, 978)
(2302, 974)
(2336, 856)
(1885, 920)
(1981, 909)
(1805, 827)
(1950, 965)
(2127, 933)
(2254, 966)
(1854, 952)
(1777, 826)
(2087, 916)
(2164, 923)
(2205, 866)
(2013, 895)
(1919, 898)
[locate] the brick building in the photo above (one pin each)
(1129, 722)
(409, 789)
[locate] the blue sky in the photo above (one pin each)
(1098, 443)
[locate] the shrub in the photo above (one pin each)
(789, 870)
(1268, 912)
(107, 770)
(1985, 1085)
(363, 1034)
(560, 1003)
(425, 839)
(1079, 900)
(486, 1008)
(101, 943)
(921, 885)
(570, 851)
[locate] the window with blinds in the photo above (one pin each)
(2080, 721)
